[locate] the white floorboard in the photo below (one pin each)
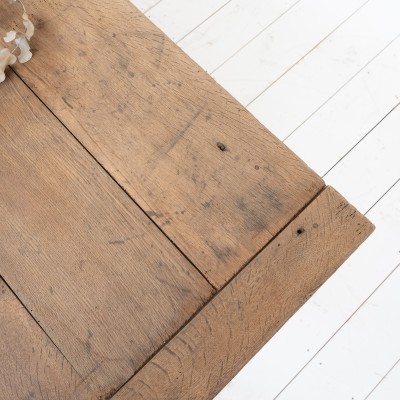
(355, 110)
(359, 355)
(229, 30)
(388, 388)
(281, 46)
(372, 166)
(329, 67)
(179, 17)
(325, 76)
(144, 5)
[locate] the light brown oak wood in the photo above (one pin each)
(96, 273)
(31, 367)
(200, 360)
(213, 178)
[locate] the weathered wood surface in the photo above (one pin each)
(212, 177)
(31, 367)
(198, 362)
(101, 279)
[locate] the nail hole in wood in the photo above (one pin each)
(221, 146)
(300, 231)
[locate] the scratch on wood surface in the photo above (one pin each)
(181, 133)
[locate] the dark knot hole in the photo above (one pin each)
(221, 146)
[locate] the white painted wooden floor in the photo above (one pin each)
(324, 76)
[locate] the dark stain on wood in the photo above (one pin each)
(221, 146)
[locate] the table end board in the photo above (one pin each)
(211, 349)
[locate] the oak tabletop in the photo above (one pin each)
(154, 234)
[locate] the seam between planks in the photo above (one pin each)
(383, 378)
(241, 268)
(336, 332)
(308, 52)
(149, 8)
(212, 298)
(326, 342)
(215, 290)
(293, 132)
(361, 140)
(115, 181)
(149, 218)
(380, 198)
(40, 327)
(254, 37)
(202, 22)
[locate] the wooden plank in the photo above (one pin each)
(298, 94)
(176, 18)
(231, 28)
(277, 49)
(389, 387)
(31, 367)
(343, 121)
(330, 375)
(144, 5)
(372, 167)
(100, 278)
(212, 348)
(214, 179)
(316, 322)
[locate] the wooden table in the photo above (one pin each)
(154, 235)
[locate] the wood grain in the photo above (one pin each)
(215, 180)
(216, 344)
(100, 278)
(31, 367)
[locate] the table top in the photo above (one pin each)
(153, 231)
